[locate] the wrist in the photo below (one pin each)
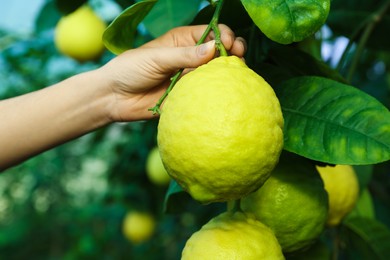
(96, 93)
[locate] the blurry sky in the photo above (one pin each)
(19, 15)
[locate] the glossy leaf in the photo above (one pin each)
(120, 34)
(168, 14)
(369, 238)
(288, 21)
(334, 123)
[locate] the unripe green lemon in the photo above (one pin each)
(342, 186)
(138, 227)
(155, 169)
(232, 236)
(79, 34)
(220, 131)
(292, 202)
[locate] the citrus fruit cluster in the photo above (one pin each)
(220, 136)
(286, 216)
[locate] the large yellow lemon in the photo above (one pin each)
(220, 131)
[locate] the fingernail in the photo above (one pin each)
(244, 44)
(206, 47)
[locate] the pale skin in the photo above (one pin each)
(120, 91)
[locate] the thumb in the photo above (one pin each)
(186, 57)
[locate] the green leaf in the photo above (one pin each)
(168, 14)
(367, 237)
(288, 21)
(120, 34)
(300, 63)
(47, 17)
(364, 174)
(364, 207)
(176, 199)
(318, 251)
(334, 123)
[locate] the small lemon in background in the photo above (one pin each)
(138, 226)
(155, 169)
(342, 186)
(79, 34)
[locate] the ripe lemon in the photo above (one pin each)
(292, 202)
(155, 169)
(232, 236)
(138, 226)
(220, 131)
(79, 34)
(342, 186)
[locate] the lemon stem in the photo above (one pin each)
(336, 243)
(233, 206)
(213, 25)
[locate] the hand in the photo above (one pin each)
(139, 77)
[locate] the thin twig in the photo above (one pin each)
(213, 25)
(374, 19)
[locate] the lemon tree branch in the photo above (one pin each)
(367, 26)
(374, 20)
(234, 206)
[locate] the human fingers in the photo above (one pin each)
(238, 47)
(190, 35)
(185, 57)
(178, 37)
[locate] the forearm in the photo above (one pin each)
(38, 121)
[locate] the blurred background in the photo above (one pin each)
(70, 202)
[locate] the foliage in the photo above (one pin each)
(69, 202)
